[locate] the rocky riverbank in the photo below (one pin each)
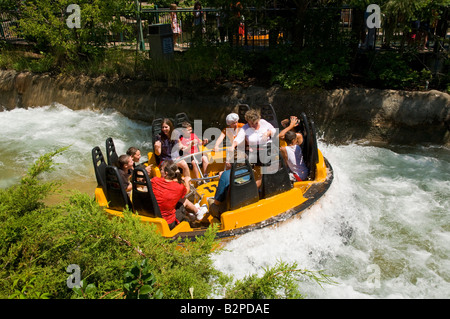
(341, 115)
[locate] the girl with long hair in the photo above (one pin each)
(165, 143)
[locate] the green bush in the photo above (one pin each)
(29, 194)
(309, 67)
(394, 70)
(280, 281)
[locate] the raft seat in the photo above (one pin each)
(242, 108)
(144, 200)
(180, 118)
(242, 190)
(116, 195)
(145, 204)
(313, 156)
(156, 129)
(275, 179)
(309, 146)
(99, 167)
(268, 113)
(111, 154)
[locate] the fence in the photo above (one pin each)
(394, 35)
(251, 28)
(261, 28)
(8, 22)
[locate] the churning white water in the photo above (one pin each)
(30, 133)
(382, 230)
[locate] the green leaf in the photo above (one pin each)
(146, 289)
(90, 289)
(127, 286)
(158, 294)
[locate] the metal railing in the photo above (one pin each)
(217, 26)
(8, 23)
(255, 28)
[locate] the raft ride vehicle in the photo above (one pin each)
(248, 208)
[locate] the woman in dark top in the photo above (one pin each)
(164, 144)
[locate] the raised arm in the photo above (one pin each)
(293, 123)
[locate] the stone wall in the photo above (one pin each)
(340, 115)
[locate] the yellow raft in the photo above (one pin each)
(248, 208)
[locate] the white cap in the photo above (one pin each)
(232, 118)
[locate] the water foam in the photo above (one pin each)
(30, 133)
(380, 214)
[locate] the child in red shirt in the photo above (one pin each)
(190, 139)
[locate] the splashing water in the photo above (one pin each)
(30, 133)
(382, 230)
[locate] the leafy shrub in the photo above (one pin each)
(140, 282)
(391, 69)
(28, 195)
(209, 62)
(44, 23)
(280, 281)
(309, 67)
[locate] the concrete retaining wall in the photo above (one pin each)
(340, 115)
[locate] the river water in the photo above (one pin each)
(382, 230)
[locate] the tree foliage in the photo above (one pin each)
(45, 22)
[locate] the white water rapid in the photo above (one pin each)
(382, 230)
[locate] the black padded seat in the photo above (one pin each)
(242, 109)
(116, 194)
(242, 190)
(309, 146)
(111, 153)
(99, 167)
(144, 200)
(268, 113)
(275, 178)
(156, 129)
(180, 118)
(313, 154)
(303, 128)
